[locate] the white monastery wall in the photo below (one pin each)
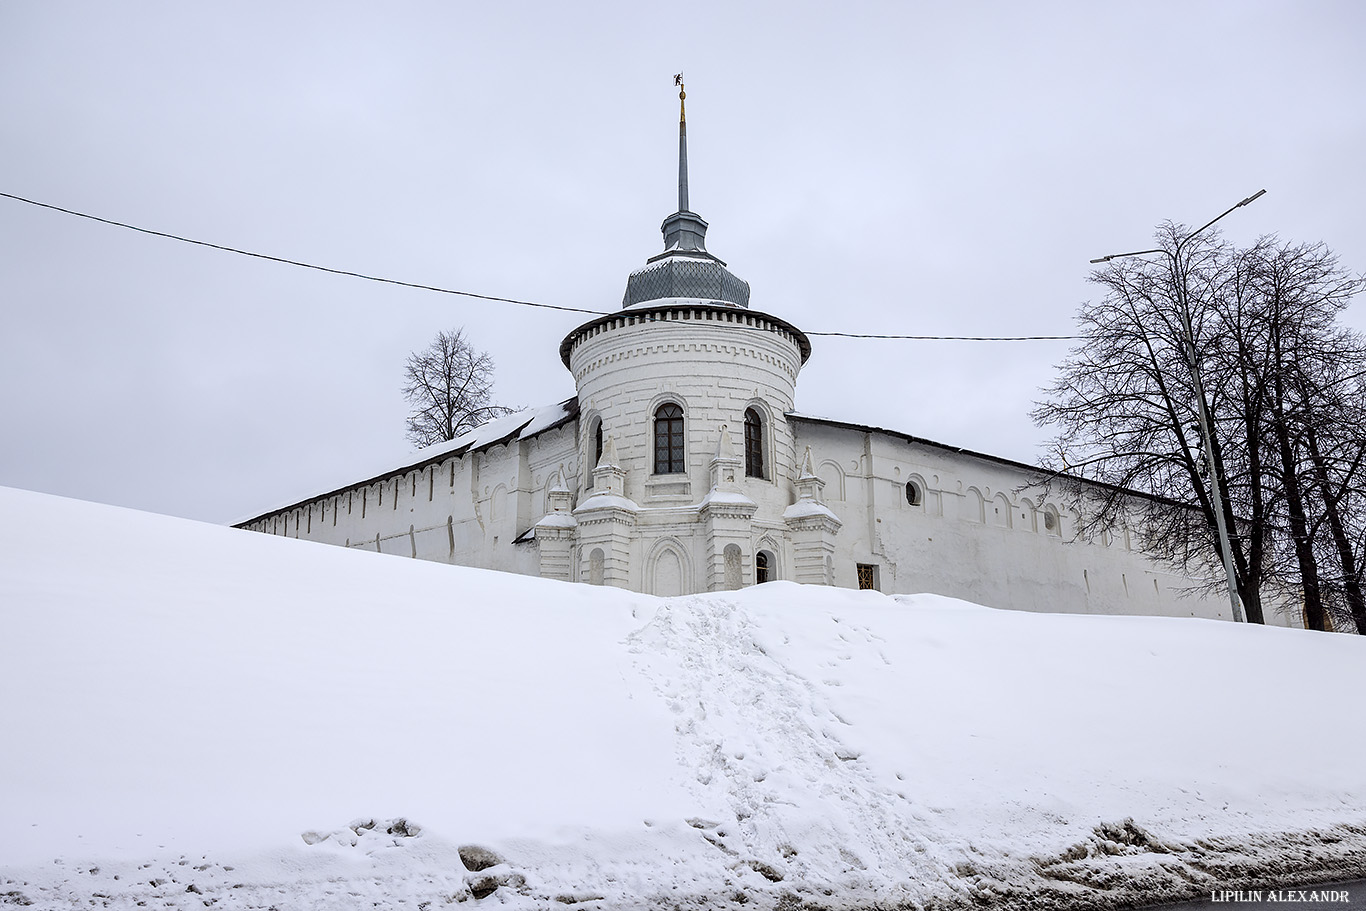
(529, 494)
(982, 530)
(465, 509)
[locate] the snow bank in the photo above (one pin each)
(198, 715)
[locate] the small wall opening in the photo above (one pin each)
(915, 494)
(763, 567)
(868, 577)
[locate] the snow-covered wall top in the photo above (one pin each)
(520, 425)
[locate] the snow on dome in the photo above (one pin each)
(685, 276)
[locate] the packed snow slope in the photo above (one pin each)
(195, 715)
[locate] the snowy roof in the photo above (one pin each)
(804, 509)
(603, 500)
(726, 498)
(520, 425)
(678, 302)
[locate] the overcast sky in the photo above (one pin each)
(899, 168)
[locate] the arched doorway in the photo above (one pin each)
(763, 567)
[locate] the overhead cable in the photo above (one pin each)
(490, 297)
(955, 338)
(295, 262)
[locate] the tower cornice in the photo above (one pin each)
(685, 312)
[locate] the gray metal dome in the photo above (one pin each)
(686, 276)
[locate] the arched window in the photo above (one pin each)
(597, 442)
(763, 568)
(1052, 525)
(669, 439)
(754, 444)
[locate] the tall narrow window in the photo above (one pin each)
(754, 444)
(669, 439)
(597, 443)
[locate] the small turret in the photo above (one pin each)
(812, 528)
(809, 484)
(609, 477)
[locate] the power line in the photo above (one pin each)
(491, 297)
(956, 338)
(295, 262)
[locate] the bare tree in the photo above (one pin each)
(1284, 396)
(1313, 370)
(1127, 409)
(449, 385)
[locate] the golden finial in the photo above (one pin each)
(678, 81)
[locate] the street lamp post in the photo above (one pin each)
(1202, 406)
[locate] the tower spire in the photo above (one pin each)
(682, 146)
(684, 230)
(685, 269)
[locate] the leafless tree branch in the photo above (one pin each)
(449, 384)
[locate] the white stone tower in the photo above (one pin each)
(690, 388)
